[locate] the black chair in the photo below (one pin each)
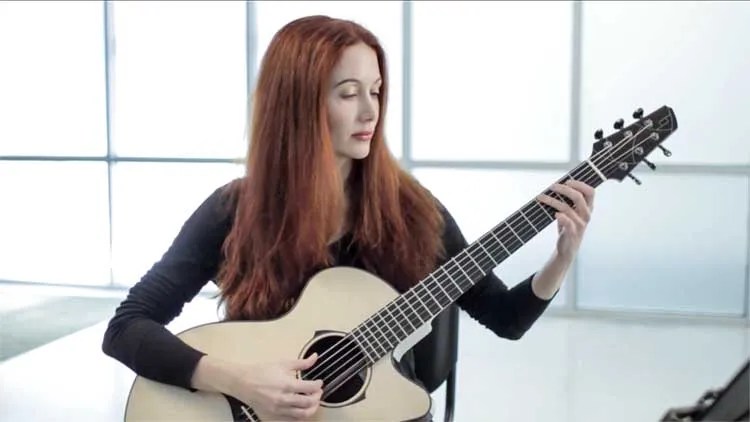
(436, 356)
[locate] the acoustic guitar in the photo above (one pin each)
(360, 326)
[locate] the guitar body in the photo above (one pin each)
(335, 300)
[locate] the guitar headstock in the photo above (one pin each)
(619, 153)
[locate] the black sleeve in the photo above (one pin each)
(509, 313)
(136, 335)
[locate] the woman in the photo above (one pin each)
(321, 189)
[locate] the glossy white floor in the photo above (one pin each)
(564, 369)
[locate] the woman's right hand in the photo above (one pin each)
(272, 389)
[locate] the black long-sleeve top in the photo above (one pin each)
(137, 337)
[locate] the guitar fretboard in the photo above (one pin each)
(388, 327)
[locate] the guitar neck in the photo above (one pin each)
(384, 330)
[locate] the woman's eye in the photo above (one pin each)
(377, 94)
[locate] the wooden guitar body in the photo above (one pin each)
(335, 300)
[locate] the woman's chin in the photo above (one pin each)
(359, 152)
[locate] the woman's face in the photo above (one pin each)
(353, 102)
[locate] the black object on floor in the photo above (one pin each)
(730, 403)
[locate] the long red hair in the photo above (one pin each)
(290, 203)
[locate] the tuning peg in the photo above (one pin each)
(619, 123)
(638, 113)
(637, 182)
(650, 165)
(599, 134)
(665, 151)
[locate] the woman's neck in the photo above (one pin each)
(345, 167)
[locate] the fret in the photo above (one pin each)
(436, 281)
(488, 254)
(501, 243)
(472, 260)
(592, 181)
(373, 339)
(433, 305)
(460, 267)
(531, 210)
(247, 412)
(379, 327)
(403, 335)
(429, 292)
(415, 294)
(529, 221)
(421, 321)
(364, 331)
(388, 327)
(364, 349)
(545, 210)
(395, 305)
(451, 279)
(514, 232)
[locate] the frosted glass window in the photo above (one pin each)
(52, 78)
(479, 199)
(491, 80)
(150, 203)
(382, 18)
(180, 81)
(677, 243)
(54, 222)
(692, 56)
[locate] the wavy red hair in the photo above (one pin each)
(290, 203)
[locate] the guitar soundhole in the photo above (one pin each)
(335, 367)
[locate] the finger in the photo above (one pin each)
(574, 195)
(299, 414)
(555, 203)
(562, 207)
(566, 223)
(577, 222)
(300, 401)
(588, 191)
(581, 206)
(300, 364)
(307, 386)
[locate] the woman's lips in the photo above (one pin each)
(363, 136)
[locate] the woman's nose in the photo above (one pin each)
(368, 110)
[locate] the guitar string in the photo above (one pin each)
(585, 173)
(586, 170)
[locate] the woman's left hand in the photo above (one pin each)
(571, 221)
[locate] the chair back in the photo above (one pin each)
(436, 354)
